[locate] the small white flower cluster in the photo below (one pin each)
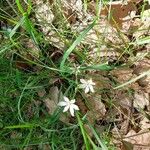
(87, 85)
(70, 105)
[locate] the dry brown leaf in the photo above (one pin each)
(55, 39)
(81, 105)
(100, 80)
(116, 134)
(15, 135)
(140, 140)
(96, 110)
(123, 9)
(44, 15)
(54, 94)
(103, 54)
(123, 75)
(124, 126)
(32, 49)
(51, 102)
(23, 64)
(100, 33)
(72, 9)
(126, 146)
(145, 123)
(51, 105)
(41, 92)
(141, 99)
(142, 66)
(146, 17)
(143, 30)
(129, 23)
(125, 101)
(88, 130)
(45, 147)
(30, 111)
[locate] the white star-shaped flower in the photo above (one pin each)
(68, 105)
(87, 85)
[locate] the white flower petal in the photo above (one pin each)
(66, 108)
(91, 88)
(91, 82)
(62, 104)
(87, 85)
(86, 89)
(83, 81)
(71, 111)
(69, 105)
(66, 99)
(72, 101)
(75, 107)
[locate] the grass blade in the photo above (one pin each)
(16, 27)
(4, 49)
(99, 140)
(19, 101)
(75, 43)
(92, 143)
(19, 6)
(104, 66)
(87, 145)
(133, 80)
(142, 41)
(20, 126)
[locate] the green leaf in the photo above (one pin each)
(104, 66)
(87, 145)
(26, 125)
(99, 140)
(142, 41)
(16, 27)
(146, 73)
(75, 43)
(19, 6)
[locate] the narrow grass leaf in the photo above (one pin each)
(87, 145)
(16, 27)
(40, 64)
(133, 80)
(99, 140)
(142, 41)
(8, 19)
(19, 101)
(4, 49)
(19, 6)
(29, 6)
(27, 139)
(21, 126)
(104, 66)
(27, 23)
(75, 43)
(92, 143)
